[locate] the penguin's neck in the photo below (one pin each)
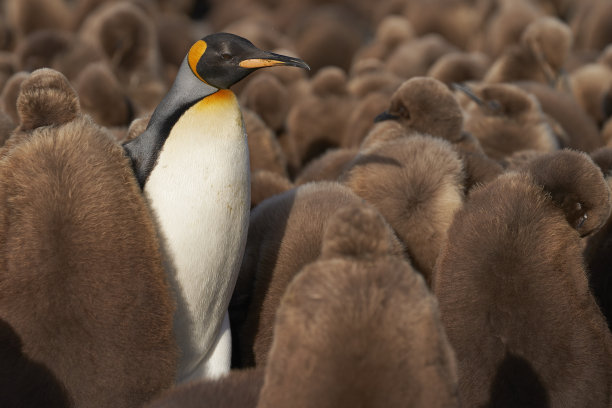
(199, 193)
(186, 91)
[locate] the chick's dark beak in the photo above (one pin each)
(385, 116)
(269, 59)
(492, 105)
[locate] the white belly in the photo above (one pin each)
(199, 192)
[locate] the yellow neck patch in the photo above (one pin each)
(222, 99)
(195, 53)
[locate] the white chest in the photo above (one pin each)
(199, 192)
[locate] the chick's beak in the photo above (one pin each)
(270, 59)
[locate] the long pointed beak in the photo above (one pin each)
(270, 59)
(493, 105)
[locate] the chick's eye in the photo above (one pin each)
(226, 56)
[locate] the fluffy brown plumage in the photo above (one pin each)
(415, 57)
(590, 85)
(358, 327)
(317, 122)
(539, 56)
(425, 105)
(126, 36)
(267, 97)
(328, 35)
(10, 92)
(327, 167)
(505, 24)
(591, 23)
(531, 333)
(6, 127)
(459, 67)
(102, 96)
(265, 152)
(285, 234)
(265, 184)
(361, 120)
(239, 389)
(505, 119)
(390, 33)
(417, 185)
(32, 15)
(598, 250)
(83, 283)
(46, 99)
(581, 130)
(369, 76)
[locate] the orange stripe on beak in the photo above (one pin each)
(260, 63)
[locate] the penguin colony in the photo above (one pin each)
(430, 211)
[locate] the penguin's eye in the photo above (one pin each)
(225, 56)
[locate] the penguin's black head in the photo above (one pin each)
(222, 59)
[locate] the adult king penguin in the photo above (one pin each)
(192, 162)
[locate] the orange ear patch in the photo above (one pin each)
(195, 53)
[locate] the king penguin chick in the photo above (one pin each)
(239, 389)
(531, 333)
(506, 119)
(540, 56)
(417, 185)
(359, 328)
(192, 162)
(81, 275)
(284, 235)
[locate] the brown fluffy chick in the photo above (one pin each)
(539, 56)
(417, 185)
(371, 76)
(591, 24)
(606, 133)
(81, 276)
(265, 184)
(265, 152)
(239, 389)
(285, 233)
(505, 22)
(126, 35)
(102, 96)
(505, 119)
(590, 85)
(60, 50)
(359, 327)
(425, 105)
(459, 67)
(390, 33)
(8, 97)
(457, 21)
(361, 120)
(8, 67)
(267, 97)
(29, 16)
(318, 121)
(415, 57)
(580, 130)
(6, 127)
(175, 36)
(328, 35)
(598, 250)
(327, 167)
(531, 333)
